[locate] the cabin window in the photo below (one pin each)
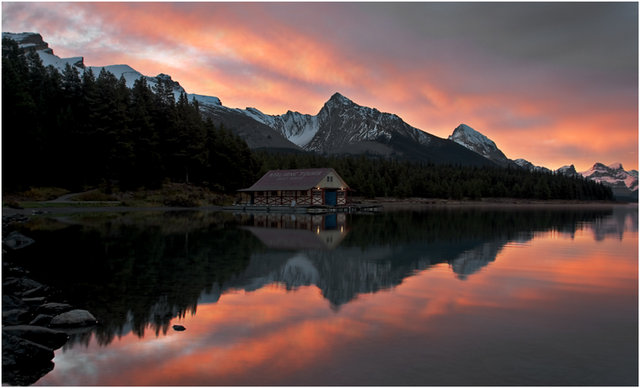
(274, 193)
(260, 193)
(302, 192)
(329, 179)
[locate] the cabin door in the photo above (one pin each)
(330, 198)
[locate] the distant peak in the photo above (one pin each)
(464, 127)
(465, 134)
(616, 166)
(337, 97)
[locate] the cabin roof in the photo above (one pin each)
(300, 179)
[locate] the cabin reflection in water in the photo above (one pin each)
(297, 231)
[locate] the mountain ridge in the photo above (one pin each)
(340, 127)
(623, 183)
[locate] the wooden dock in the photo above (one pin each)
(351, 208)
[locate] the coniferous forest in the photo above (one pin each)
(77, 130)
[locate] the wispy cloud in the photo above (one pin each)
(522, 73)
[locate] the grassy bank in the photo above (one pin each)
(169, 195)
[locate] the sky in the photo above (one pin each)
(553, 83)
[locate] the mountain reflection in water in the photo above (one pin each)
(139, 272)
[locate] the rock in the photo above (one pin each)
(25, 375)
(20, 285)
(24, 362)
(54, 308)
(10, 302)
(35, 292)
(41, 320)
(16, 350)
(41, 335)
(73, 318)
(16, 240)
(179, 328)
(13, 219)
(15, 316)
(34, 301)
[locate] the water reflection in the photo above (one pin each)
(140, 273)
(297, 231)
(137, 272)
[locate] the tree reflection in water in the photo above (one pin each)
(137, 271)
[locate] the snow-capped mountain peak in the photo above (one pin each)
(568, 171)
(34, 42)
(616, 166)
(614, 175)
(340, 99)
(479, 143)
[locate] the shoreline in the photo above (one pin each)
(393, 204)
(388, 204)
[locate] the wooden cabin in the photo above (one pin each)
(303, 187)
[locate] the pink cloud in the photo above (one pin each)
(278, 57)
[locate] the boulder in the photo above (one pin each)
(20, 285)
(73, 318)
(24, 362)
(25, 374)
(54, 308)
(41, 320)
(16, 350)
(16, 240)
(35, 301)
(41, 335)
(10, 302)
(15, 316)
(36, 292)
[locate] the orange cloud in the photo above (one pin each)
(251, 54)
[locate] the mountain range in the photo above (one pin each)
(344, 127)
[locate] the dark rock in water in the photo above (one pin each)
(40, 335)
(19, 285)
(25, 374)
(10, 302)
(54, 308)
(41, 320)
(179, 328)
(24, 362)
(15, 316)
(38, 300)
(16, 350)
(36, 292)
(73, 318)
(16, 240)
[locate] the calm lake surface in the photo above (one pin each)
(544, 296)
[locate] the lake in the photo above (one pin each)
(442, 296)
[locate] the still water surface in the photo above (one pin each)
(438, 297)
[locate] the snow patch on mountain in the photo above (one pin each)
(478, 143)
(32, 41)
(339, 123)
(205, 100)
(530, 166)
(568, 171)
(613, 175)
(298, 128)
(472, 139)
